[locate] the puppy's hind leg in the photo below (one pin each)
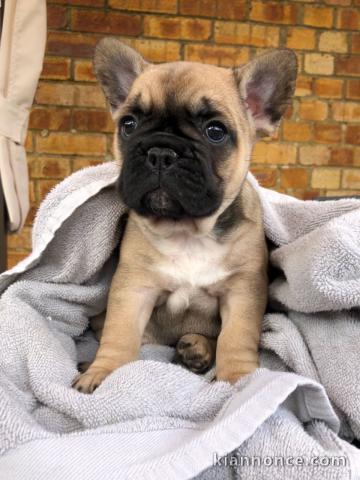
(196, 352)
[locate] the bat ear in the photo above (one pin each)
(116, 66)
(266, 86)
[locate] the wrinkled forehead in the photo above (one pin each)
(191, 86)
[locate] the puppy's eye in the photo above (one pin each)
(215, 132)
(128, 125)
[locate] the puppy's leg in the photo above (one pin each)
(242, 311)
(97, 325)
(129, 309)
(196, 351)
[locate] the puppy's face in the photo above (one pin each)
(184, 131)
(182, 142)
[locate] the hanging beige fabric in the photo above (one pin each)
(21, 56)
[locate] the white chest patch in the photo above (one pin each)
(191, 265)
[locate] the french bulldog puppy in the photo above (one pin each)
(193, 260)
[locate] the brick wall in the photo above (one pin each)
(315, 150)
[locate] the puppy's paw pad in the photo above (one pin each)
(87, 382)
(83, 366)
(195, 352)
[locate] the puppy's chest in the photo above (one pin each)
(192, 272)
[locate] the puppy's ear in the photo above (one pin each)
(266, 85)
(116, 66)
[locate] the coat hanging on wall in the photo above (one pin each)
(22, 50)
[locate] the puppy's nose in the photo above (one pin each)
(161, 158)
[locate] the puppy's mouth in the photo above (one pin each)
(159, 203)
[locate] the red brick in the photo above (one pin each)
(333, 42)
(274, 153)
(296, 131)
(21, 239)
(50, 118)
(54, 94)
(232, 32)
(233, 10)
(265, 176)
(31, 215)
(300, 38)
(274, 12)
(314, 155)
(246, 34)
(313, 110)
(44, 187)
(85, 3)
(353, 89)
(349, 65)
(342, 3)
(289, 112)
(325, 177)
(55, 68)
(89, 96)
(317, 16)
(294, 178)
(304, 86)
(319, 63)
(341, 193)
(201, 8)
(56, 17)
(29, 142)
(13, 258)
(177, 28)
(83, 162)
(93, 121)
(355, 43)
(32, 194)
(345, 111)
(351, 179)
(357, 156)
(328, 87)
(265, 36)
(349, 19)
(71, 44)
(105, 22)
(353, 134)
(49, 167)
(341, 156)
(156, 50)
(70, 94)
(72, 144)
(306, 194)
(216, 55)
(327, 132)
(84, 71)
(159, 6)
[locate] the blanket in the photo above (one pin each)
(295, 417)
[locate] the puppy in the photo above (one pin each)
(193, 260)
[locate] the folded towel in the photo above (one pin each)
(151, 418)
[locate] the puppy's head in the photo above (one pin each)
(184, 131)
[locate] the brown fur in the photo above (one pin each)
(228, 310)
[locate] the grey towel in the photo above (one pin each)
(151, 418)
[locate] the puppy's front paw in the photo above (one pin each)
(87, 382)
